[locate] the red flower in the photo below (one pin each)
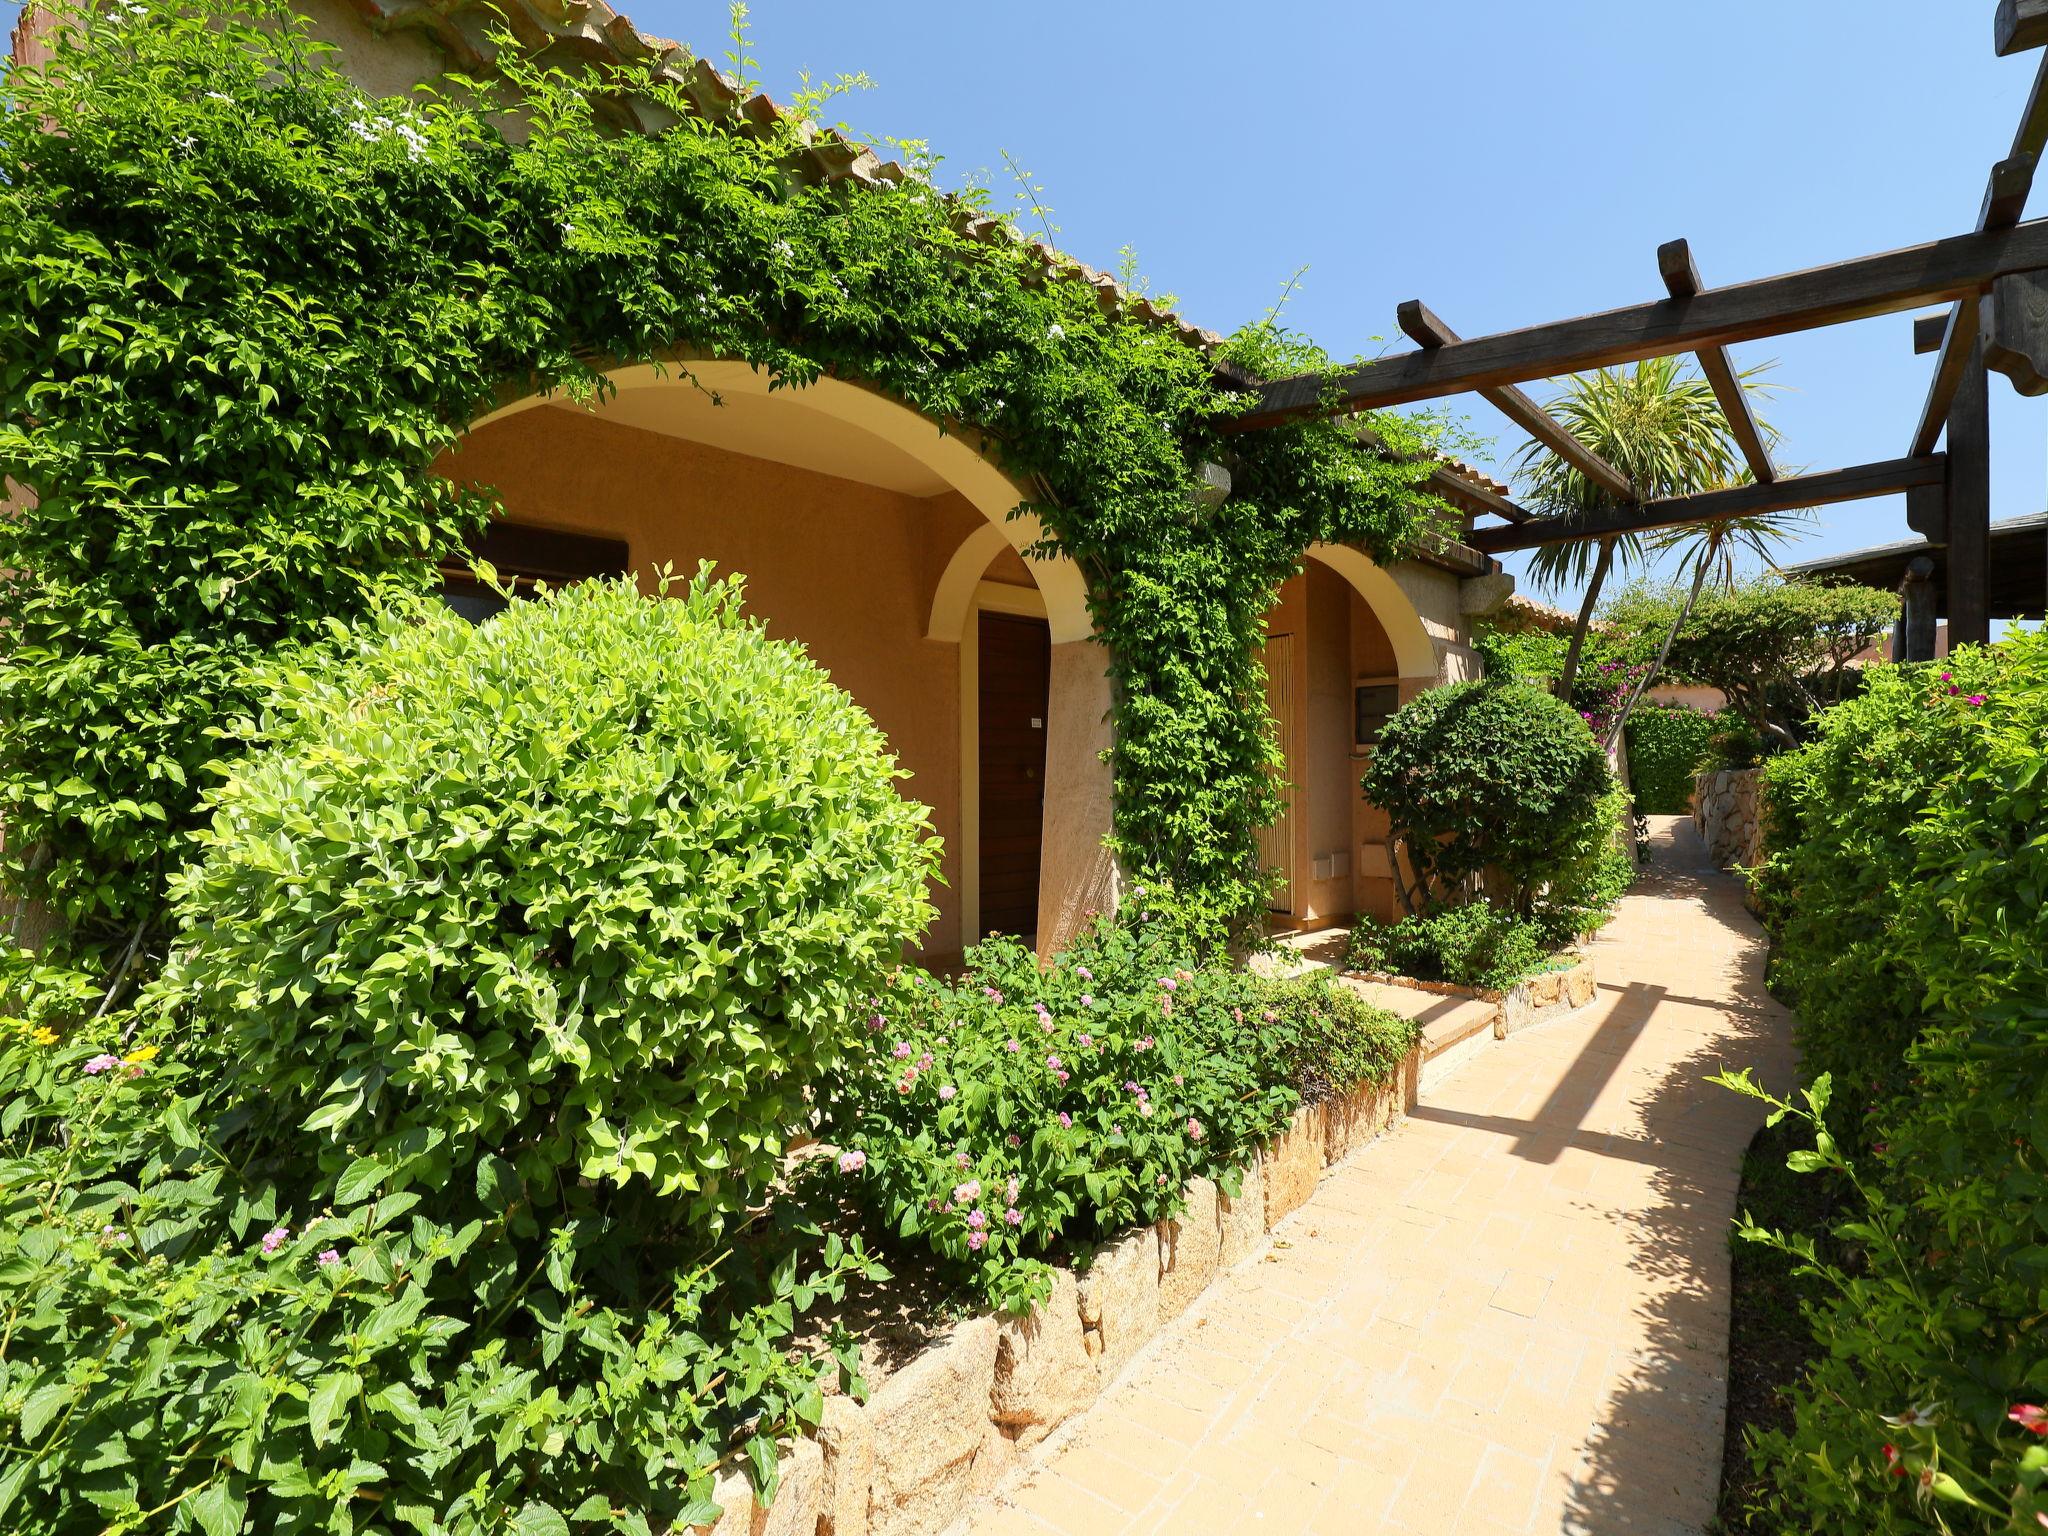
(1891, 1460)
(2029, 1416)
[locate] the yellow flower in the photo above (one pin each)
(136, 1058)
(43, 1035)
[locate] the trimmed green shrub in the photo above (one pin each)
(1476, 945)
(1500, 787)
(1904, 886)
(1667, 747)
(1018, 1110)
(599, 886)
(510, 964)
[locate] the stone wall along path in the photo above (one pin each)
(1507, 1316)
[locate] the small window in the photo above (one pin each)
(523, 556)
(1376, 702)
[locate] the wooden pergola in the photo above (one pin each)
(1994, 281)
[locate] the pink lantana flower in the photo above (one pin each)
(275, 1239)
(946, 1091)
(852, 1162)
(1195, 1131)
(329, 1257)
(101, 1063)
(1066, 1121)
(976, 1241)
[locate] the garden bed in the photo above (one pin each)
(954, 1421)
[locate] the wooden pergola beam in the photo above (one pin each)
(1928, 331)
(2019, 25)
(1682, 281)
(1429, 332)
(1882, 284)
(1784, 495)
(1959, 334)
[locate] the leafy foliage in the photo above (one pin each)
(512, 959)
(1667, 747)
(598, 887)
(1019, 1110)
(1476, 945)
(1500, 786)
(244, 310)
(1779, 649)
(1905, 884)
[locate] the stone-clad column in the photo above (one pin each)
(1076, 874)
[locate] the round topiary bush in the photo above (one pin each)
(600, 887)
(1500, 786)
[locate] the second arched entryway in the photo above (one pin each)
(1346, 645)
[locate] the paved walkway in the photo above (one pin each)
(1507, 1316)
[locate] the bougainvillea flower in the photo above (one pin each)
(2029, 1416)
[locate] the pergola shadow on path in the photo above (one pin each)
(1509, 1315)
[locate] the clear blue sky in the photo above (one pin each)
(1505, 162)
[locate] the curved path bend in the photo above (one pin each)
(1507, 1316)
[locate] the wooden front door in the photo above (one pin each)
(1016, 676)
(1276, 842)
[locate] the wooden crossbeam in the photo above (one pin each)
(2019, 26)
(1928, 331)
(1959, 334)
(1427, 331)
(1784, 495)
(1448, 483)
(1451, 485)
(1682, 281)
(1882, 284)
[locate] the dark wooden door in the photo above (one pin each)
(1016, 675)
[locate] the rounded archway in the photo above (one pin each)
(690, 388)
(1345, 647)
(1414, 652)
(888, 546)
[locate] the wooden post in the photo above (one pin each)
(1969, 505)
(1914, 638)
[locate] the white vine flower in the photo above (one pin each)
(1057, 333)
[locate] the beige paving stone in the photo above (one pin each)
(1504, 1316)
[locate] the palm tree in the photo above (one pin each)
(1711, 551)
(1660, 425)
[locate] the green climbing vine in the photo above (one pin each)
(243, 310)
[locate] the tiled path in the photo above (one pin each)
(1509, 1315)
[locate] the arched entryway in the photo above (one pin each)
(1345, 647)
(855, 521)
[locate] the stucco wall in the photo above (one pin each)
(846, 569)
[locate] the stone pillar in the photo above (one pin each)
(1076, 874)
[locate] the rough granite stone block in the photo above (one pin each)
(1189, 1245)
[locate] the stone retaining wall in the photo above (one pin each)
(952, 1424)
(1545, 997)
(1725, 809)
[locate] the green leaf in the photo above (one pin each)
(43, 1405)
(218, 1508)
(359, 1181)
(331, 1396)
(539, 1519)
